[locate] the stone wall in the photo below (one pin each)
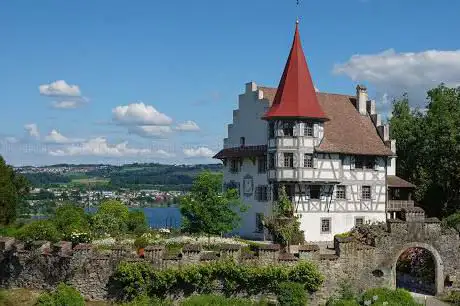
(41, 265)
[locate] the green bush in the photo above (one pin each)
(389, 297)
(111, 218)
(141, 242)
(39, 230)
(141, 278)
(453, 298)
(215, 300)
(64, 295)
(145, 300)
(341, 302)
(452, 221)
(291, 294)
(136, 222)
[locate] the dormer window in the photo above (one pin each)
(308, 129)
(242, 141)
(288, 129)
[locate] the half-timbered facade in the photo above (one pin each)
(331, 153)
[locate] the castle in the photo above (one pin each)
(331, 153)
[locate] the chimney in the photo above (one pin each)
(361, 99)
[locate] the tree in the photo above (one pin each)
(70, 218)
(208, 210)
(110, 218)
(283, 225)
(137, 222)
(428, 148)
(13, 188)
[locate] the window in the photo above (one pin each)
(271, 161)
(366, 193)
(340, 192)
(289, 160)
(242, 141)
(315, 192)
(234, 166)
(271, 130)
(262, 193)
(359, 221)
(364, 162)
(308, 130)
(233, 185)
(308, 161)
(262, 164)
(288, 129)
(259, 222)
(325, 226)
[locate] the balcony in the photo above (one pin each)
(398, 205)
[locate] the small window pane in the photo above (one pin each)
(308, 131)
(366, 192)
(289, 160)
(271, 130)
(340, 192)
(271, 161)
(242, 141)
(325, 226)
(315, 192)
(308, 161)
(259, 223)
(359, 221)
(262, 164)
(234, 166)
(288, 129)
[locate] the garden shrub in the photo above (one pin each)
(453, 298)
(136, 222)
(215, 300)
(64, 295)
(145, 300)
(291, 294)
(39, 230)
(140, 278)
(71, 219)
(389, 297)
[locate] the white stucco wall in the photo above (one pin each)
(248, 222)
(247, 120)
(341, 222)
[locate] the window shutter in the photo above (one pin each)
(279, 162)
(315, 162)
(352, 162)
(269, 193)
(315, 130)
(374, 193)
(360, 192)
(348, 191)
(295, 160)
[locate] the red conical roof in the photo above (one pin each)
(296, 95)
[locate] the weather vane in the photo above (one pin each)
(298, 9)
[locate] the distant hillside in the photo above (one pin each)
(133, 176)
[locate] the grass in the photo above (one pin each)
(26, 297)
(92, 180)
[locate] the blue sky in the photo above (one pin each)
(187, 61)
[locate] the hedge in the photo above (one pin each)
(133, 279)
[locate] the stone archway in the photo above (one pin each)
(439, 265)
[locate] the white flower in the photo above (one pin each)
(385, 303)
(375, 297)
(368, 302)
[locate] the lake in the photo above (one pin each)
(157, 217)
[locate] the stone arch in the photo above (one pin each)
(439, 265)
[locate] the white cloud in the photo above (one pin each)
(151, 131)
(188, 126)
(32, 130)
(100, 147)
(59, 88)
(55, 137)
(66, 104)
(199, 152)
(139, 114)
(410, 72)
